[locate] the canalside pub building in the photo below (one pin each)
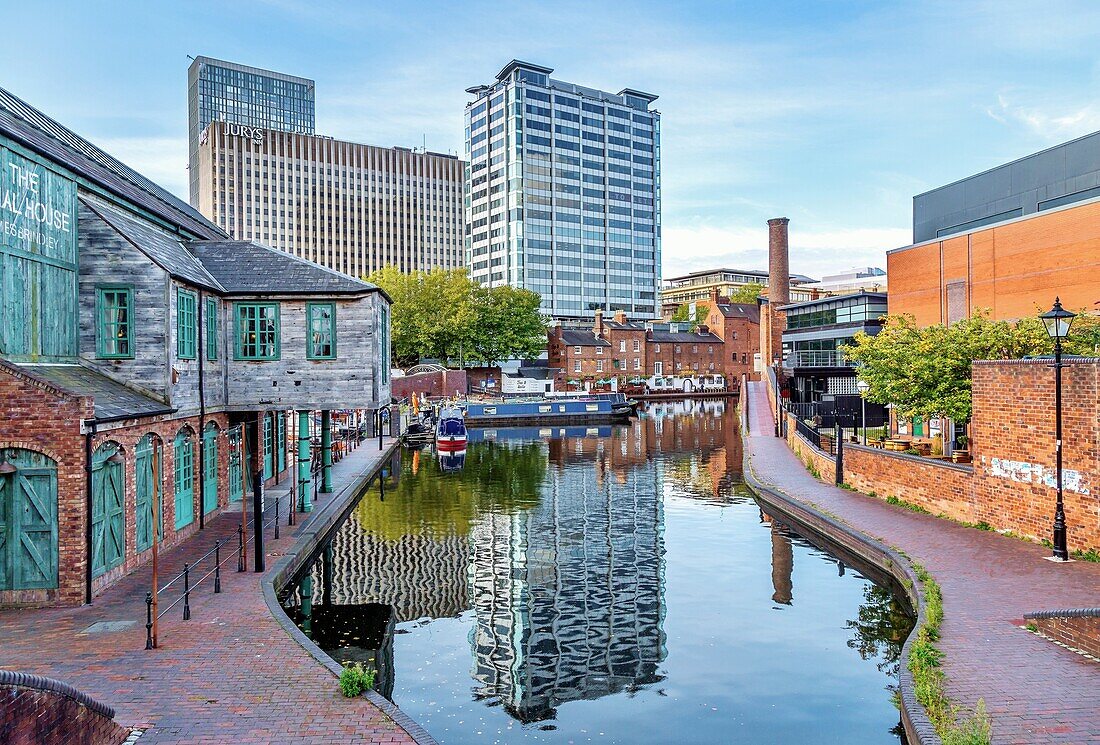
(148, 363)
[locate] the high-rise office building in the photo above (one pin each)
(220, 91)
(353, 208)
(563, 192)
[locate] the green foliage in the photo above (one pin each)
(747, 293)
(443, 314)
(683, 315)
(925, 371)
(928, 679)
(355, 679)
(1092, 555)
(907, 505)
(1032, 627)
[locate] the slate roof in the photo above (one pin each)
(581, 338)
(34, 130)
(244, 267)
(750, 311)
(628, 326)
(660, 336)
(111, 400)
(163, 249)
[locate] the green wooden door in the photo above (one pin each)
(108, 512)
(236, 488)
(145, 500)
(210, 468)
(28, 522)
(280, 441)
(185, 480)
(269, 446)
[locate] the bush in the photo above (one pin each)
(355, 679)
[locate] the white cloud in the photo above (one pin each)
(161, 159)
(814, 252)
(1047, 121)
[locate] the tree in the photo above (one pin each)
(683, 315)
(925, 372)
(443, 314)
(747, 293)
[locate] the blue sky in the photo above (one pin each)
(833, 113)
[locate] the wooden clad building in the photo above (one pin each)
(147, 362)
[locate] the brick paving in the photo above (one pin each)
(230, 674)
(1035, 691)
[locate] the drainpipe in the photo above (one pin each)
(90, 429)
(200, 354)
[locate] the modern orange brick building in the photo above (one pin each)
(1015, 268)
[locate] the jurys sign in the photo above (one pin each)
(37, 209)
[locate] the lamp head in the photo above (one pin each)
(862, 386)
(1057, 320)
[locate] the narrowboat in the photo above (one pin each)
(450, 430)
(603, 407)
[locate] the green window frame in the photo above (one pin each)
(321, 334)
(185, 324)
(257, 331)
(114, 312)
(211, 329)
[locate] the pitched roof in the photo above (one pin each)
(661, 335)
(751, 311)
(244, 267)
(34, 130)
(581, 338)
(112, 400)
(163, 249)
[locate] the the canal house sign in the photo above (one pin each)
(38, 259)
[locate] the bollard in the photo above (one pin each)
(217, 566)
(148, 620)
(186, 592)
(240, 548)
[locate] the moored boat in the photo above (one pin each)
(450, 430)
(599, 407)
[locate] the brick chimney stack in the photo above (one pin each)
(779, 268)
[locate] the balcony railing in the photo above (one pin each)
(817, 358)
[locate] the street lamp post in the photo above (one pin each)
(778, 407)
(863, 386)
(1057, 321)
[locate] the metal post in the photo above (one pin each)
(379, 429)
(863, 418)
(326, 451)
(778, 430)
(1061, 550)
(217, 567)
(186, 592)
(839, 439)
(258, 521)
(276, 519)
(148, 620)
(304, 502)
(305, 592)
(240, 547)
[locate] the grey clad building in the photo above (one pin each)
(1054, 177)
(219, 91)
(563, 192)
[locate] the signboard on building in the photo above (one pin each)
(38, 259)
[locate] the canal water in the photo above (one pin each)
(605, 585)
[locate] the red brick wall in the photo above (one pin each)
(1079, 632)
(443, 383)
(31, 716)
(937, 486)
(810, 455)
(36, 416)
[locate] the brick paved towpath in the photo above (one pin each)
(1035, 691)
(230, 674)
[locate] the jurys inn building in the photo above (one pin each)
(264, 175)
(563, 192)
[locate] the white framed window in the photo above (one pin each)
(658, 368)
(657, 348)
(577, 350)
(695, 349)
(599, 365)
(637, 364)
(637, 345)
(678, 366)
(576, 365)
(676, 349)
(622, 345)
(599, 350)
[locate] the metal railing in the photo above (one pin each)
(186, 581)
(817, 358)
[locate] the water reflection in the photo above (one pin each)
(547, 566)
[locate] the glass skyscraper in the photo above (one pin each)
(563, 192)
(249, 96)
